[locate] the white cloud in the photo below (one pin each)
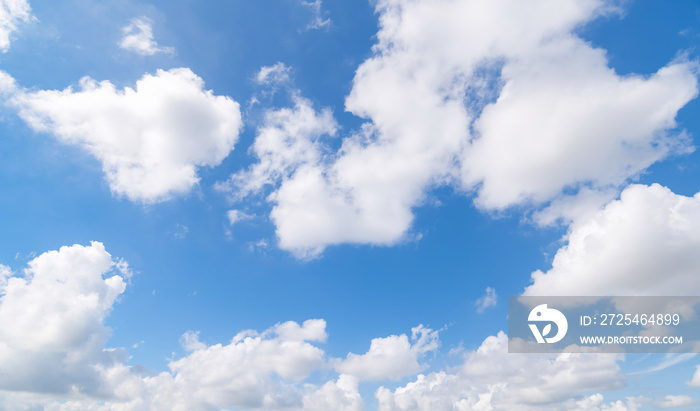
(271, 79)
(595, 403)
(669, 359)
(190, 341)
(165, 393)
(138, 38)
(287, 140)
(254, 371)
(53, 354)
(392, 357)
(235, 216)
(564, 119)
(645, 243)
(570, 208)
(695, 382)
(429, 60)
(516, 117)
(490, 378)
(318, 21)
(12, 13)
(252, 360)
(52, 335)
(260, 245)
(5, 274)
(150, 139)
(339, 395)
(288, 146)
(490, 299)
(8, 85)
(276, 74)
(674, 401)
(319, 202)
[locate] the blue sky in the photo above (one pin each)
(323, 205)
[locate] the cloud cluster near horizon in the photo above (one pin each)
(53, 330)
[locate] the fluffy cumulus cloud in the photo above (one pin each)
(392, 357)
(52, 346)
(287, 141)
(320, 198)
(254, 371)
(596, 402)
(164, 393)
(12, 13)
(288, 146)
(53, 356)
(564, 118)
(515, 116)
(150, 139)
(645, 243)
(252, 360)
(492, 379)
(52, 335)
(138, 38)
(264, 370)
(340, 395)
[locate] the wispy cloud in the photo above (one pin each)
(12, 13)
(138, 38)
(235, 216)
(275, 74)
(669, 361)
(318, 21)
(490, 299)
